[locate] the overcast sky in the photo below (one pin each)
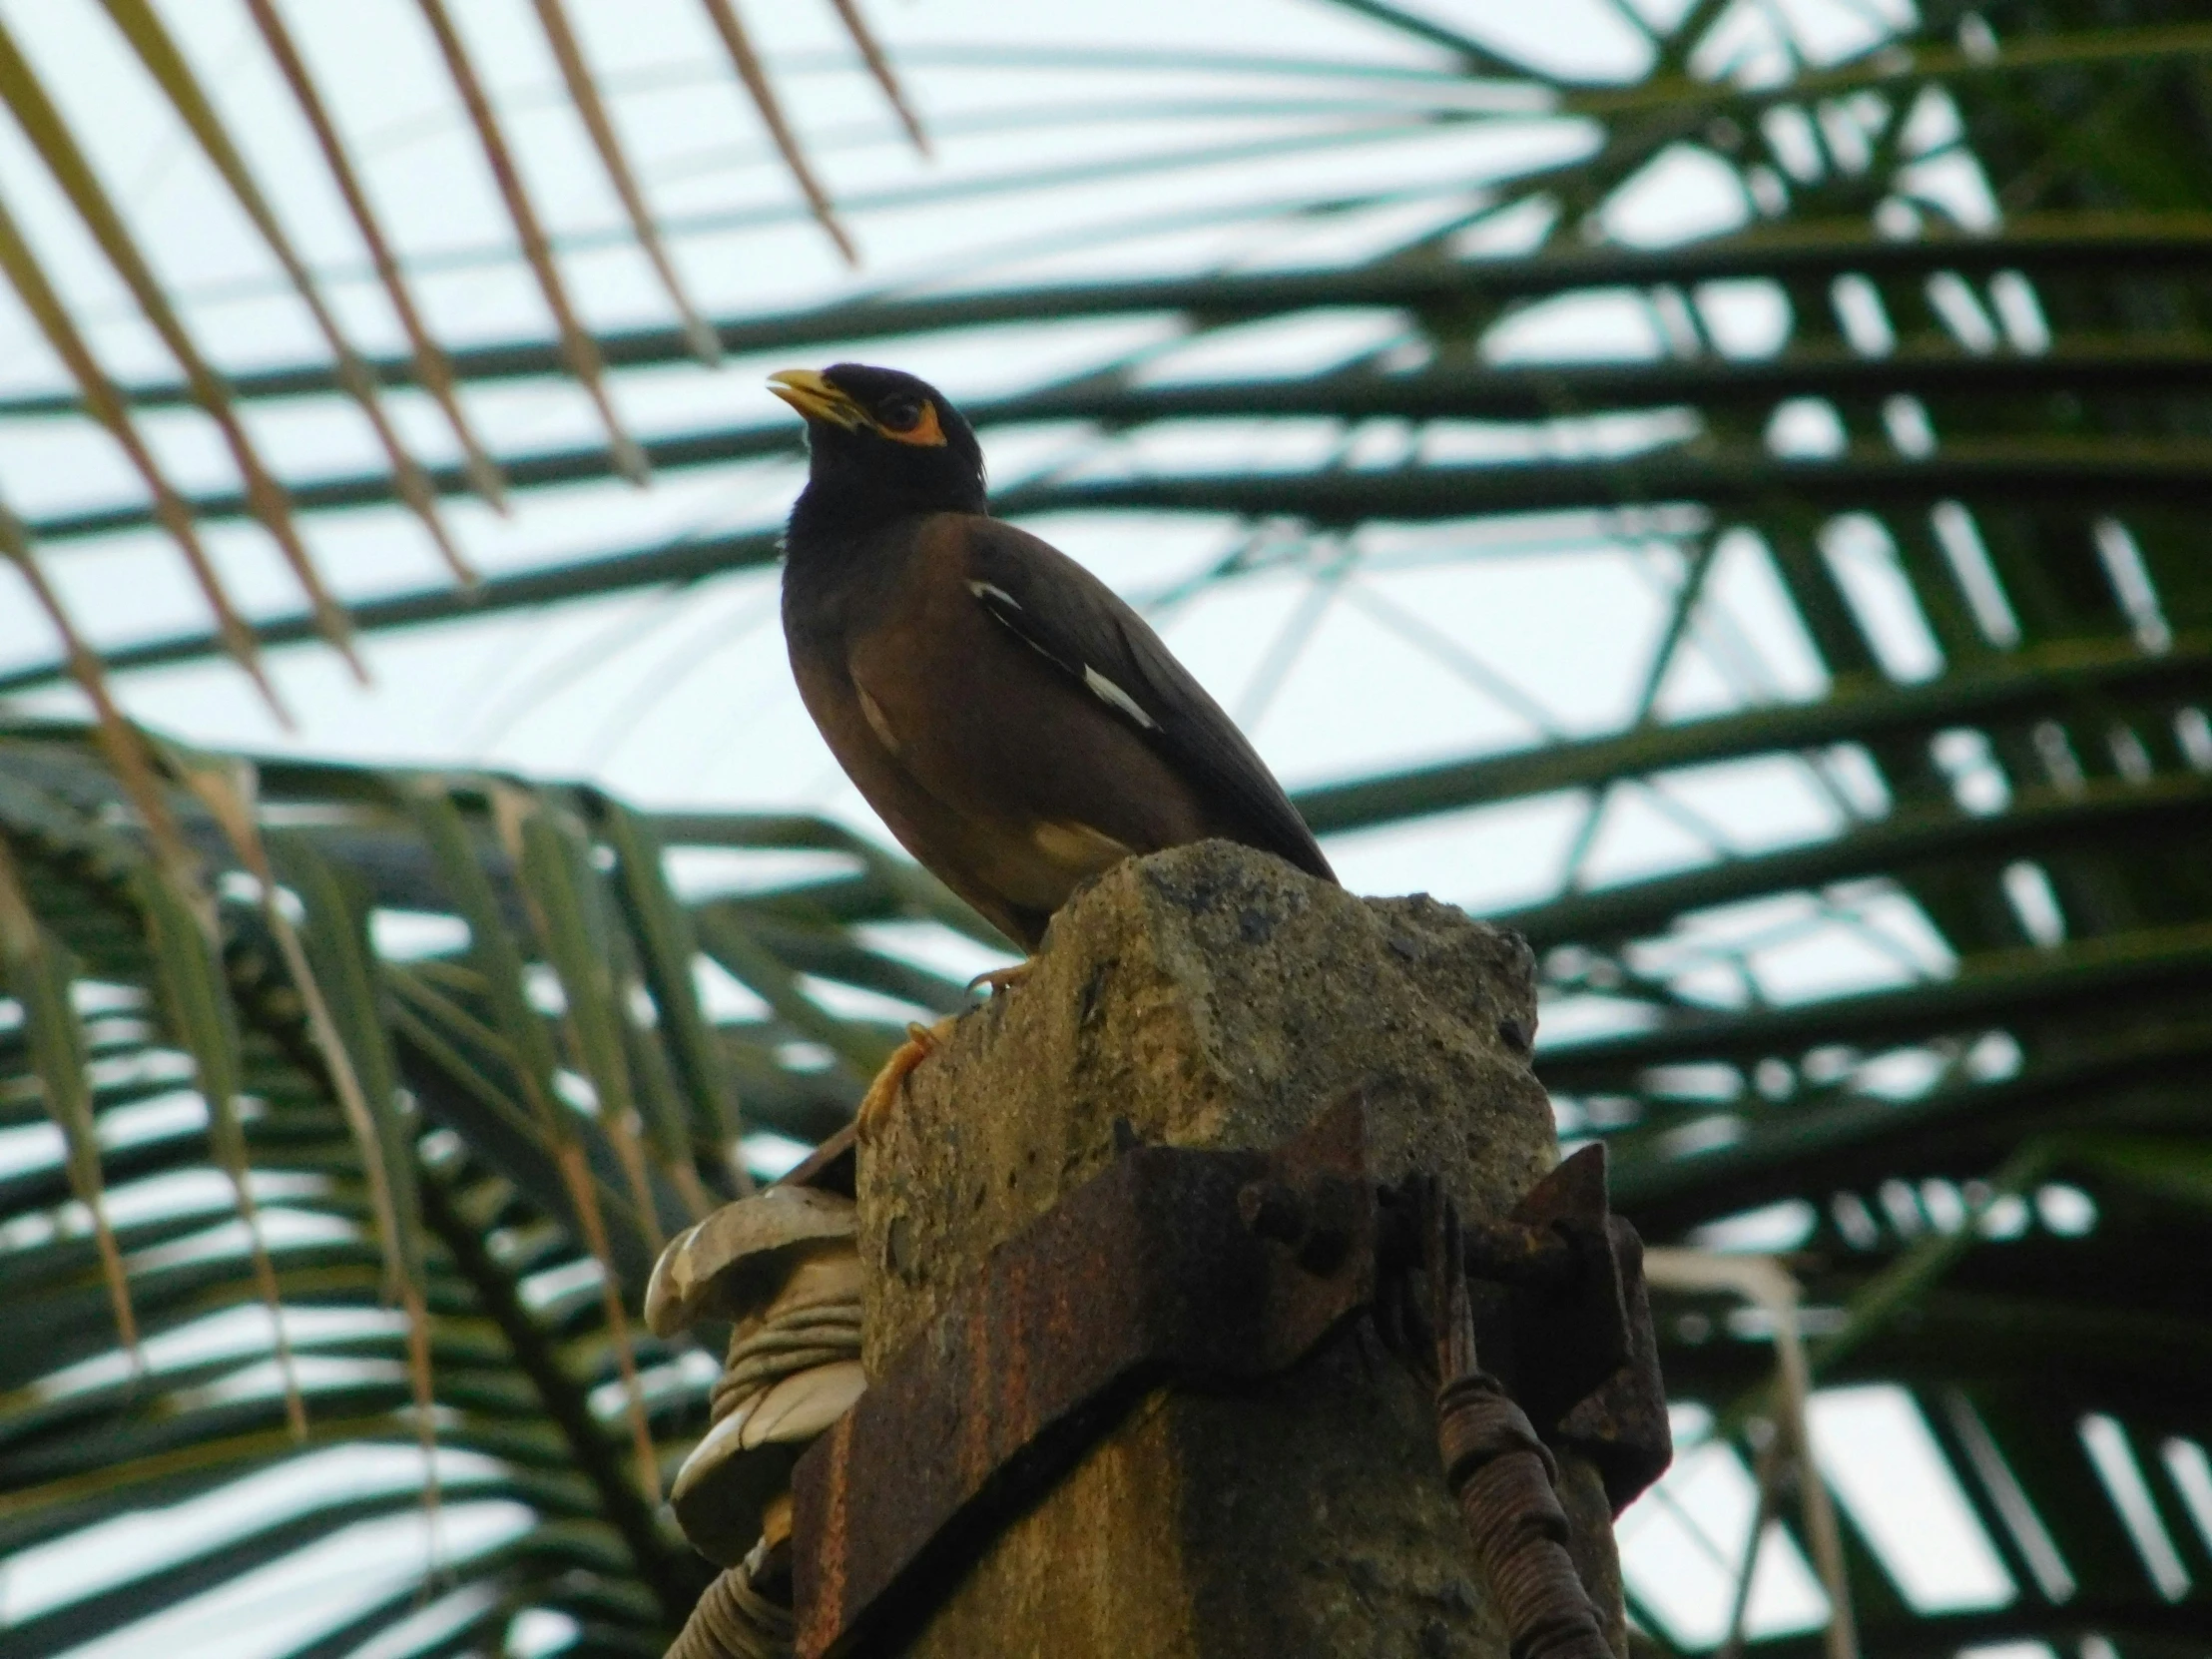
(1152, 135)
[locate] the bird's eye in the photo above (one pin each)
(900, 414)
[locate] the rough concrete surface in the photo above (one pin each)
(1213, 996)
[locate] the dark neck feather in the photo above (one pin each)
(848, 495)
(841, 509)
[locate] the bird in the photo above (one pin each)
(1019, 726)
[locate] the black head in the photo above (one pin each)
(882, 445)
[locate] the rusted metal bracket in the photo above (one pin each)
(1562, 1319)
(1498, 1467)
(1150, 1274)
(1200, 1269)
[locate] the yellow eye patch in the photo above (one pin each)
(924, 432)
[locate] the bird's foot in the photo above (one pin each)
(921, 1042)
(1003, 978)
(883, 1094)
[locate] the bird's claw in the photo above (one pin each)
(921, 1042)
(884, 1093)
(1002, 978)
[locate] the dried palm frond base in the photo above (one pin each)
(786, 1266)
(744, 1614)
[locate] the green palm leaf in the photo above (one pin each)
(1964, 463)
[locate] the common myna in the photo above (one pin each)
(1017, 725)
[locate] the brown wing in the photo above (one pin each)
(1078, 624)
(1007, 780)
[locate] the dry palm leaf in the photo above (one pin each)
(144, 29)
(577, 345)
(42, 122)
(430, 365)
(584, 93)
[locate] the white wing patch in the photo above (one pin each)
(1113, 694)
(1102, 688)
(876, 723)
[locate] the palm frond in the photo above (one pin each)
(1933, 1039)
(521, 1219)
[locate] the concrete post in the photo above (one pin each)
(1212, 996)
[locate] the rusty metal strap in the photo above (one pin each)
(1202, 1269)
(1578, 1355)
(1173, 1266)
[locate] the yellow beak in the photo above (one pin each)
(816, 398)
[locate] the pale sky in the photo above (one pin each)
(1151, 136)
